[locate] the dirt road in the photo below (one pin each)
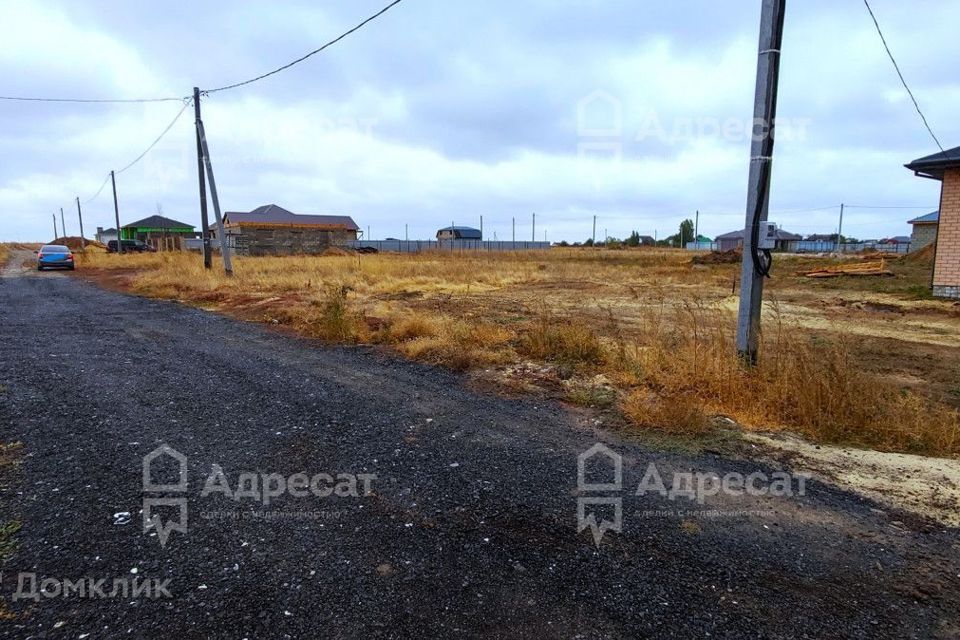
(460, 520)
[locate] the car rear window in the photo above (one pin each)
(54, 249)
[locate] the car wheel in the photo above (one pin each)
(39, 268)
(72, 267)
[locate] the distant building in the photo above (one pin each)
(272, 231)
(734, 239)
(159, 232)
(105, 235)
(648, 241)
(945, 167)
(924, 230)
(459, 233)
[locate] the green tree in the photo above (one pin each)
(686, 232)
(633, 240)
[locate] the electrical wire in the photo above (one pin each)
(902, 80)
(868, 206)
(304, 57)
(92, 101)
(99, 191)
(186, 103)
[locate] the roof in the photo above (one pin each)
(782, 234)
(157, 222)
(271, 214)
(935, 164)
(110, 230)
(931, 218)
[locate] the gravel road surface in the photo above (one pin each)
(469, 527)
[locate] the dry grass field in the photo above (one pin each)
(645, 334)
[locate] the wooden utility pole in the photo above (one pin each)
(83, 243)
(756, 264)
(224, 246)
(116, 212)
(204, 222)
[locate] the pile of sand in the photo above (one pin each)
(732, 256)
(74, 244)
(921, 256)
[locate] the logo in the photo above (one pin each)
(593, 458)
(152, 500)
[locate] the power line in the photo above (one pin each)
(186, 104)
(94, 196)
(870, 206)
(312, 53)
(902, 80)
(91, 101)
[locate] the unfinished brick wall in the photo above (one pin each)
(946, 270)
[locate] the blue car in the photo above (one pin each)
(54, 256)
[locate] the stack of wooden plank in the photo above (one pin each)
(878, 268)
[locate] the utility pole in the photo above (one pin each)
(593, 236)
(514, 222)
(696, 228)
(756, 265)
(55, 235)
(369, 237)
(481, 227)
(840, 229)
(533, 233)
(116, 212)
(406, 232)
(83, 243)
(204, 222)
(224, 246)
(63, 223)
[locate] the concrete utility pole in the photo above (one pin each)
(593, 236)
(756, 265)
(204, 222)
(63, 223)
(55, 236)
(696, 228)
(224, 246)
(116, 212)
(533, 232)
(840, 229)
(406, 231)
(83, 243)
(481, 227)
(514, 223)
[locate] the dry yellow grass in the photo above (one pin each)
(656, 326)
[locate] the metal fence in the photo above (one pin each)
(816, 246)
(416, 246)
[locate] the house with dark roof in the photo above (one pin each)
(271, 230)
(161, 233)
(459, 233)
(924, 230)
(734, 240)
(945, 168)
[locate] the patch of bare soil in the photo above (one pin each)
(929, 487)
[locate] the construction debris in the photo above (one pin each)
(878, 268)
(731, 256)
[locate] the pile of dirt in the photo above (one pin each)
(921, 256)
(336, 251)
(731, 256)
(74, 243)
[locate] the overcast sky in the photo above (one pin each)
(443, 112)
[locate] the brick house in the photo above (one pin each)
(924, 230)
(273, 231)
(945, 167)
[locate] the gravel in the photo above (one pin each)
(470, 529)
